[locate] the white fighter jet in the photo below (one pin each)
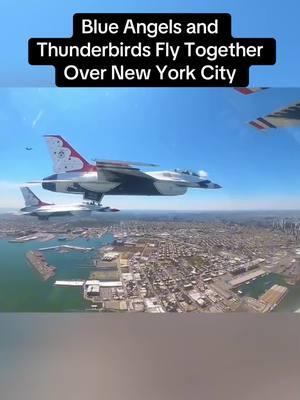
(73, 174)
(37, 208)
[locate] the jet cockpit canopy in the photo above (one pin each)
(199, 174)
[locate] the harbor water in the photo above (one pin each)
(22, 287)
(257, 287)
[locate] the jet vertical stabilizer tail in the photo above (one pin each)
(64, 157)
(31, 199)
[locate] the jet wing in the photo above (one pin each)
(285, 117)
(56, 208)
(124, 163)
(69, 181)
(116, 171)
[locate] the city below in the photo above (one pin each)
(152, 262)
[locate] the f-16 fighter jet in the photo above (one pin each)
(37, 208)
(73, 174)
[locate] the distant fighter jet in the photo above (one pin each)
(73, 174)
(285, 117)
(37, 208)
(28, 148)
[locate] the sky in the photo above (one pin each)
(22, 20)
(175, 128)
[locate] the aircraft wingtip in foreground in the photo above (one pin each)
(74, 174)
(247, 90)
(37, 208)
(285, 117)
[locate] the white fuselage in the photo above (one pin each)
(165, 183)
(61, 209)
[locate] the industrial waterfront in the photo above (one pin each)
(180, 264)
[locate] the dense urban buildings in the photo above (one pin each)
(175, 262)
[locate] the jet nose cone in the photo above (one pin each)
(209, 185)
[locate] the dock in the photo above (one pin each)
(69, 283)
(246, 278)
(23, 239)
(272, 297)
(38, 261)
(68, 248)
(42, 237)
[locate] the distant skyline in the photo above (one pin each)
(175, 128)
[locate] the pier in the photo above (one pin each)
(38, 261)
(246, 278)
(69, 283)
(23, 239)
(67, 248)
(272, 297)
